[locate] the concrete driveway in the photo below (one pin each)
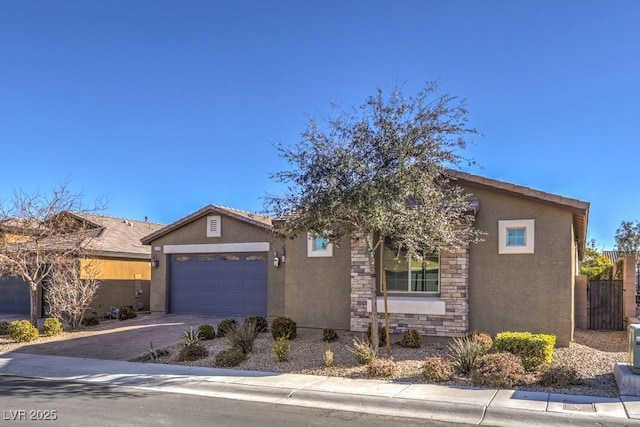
(120, 340)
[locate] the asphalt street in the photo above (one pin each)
(31, 401)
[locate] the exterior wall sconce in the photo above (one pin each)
(276, 260)
(155, 262)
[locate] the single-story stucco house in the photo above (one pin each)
(225, 262)
(120, 261)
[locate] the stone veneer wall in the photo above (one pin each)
(454, 292)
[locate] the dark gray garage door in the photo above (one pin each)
(14, 296)
(230, 285)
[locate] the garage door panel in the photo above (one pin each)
(14, 296)
(232, 285)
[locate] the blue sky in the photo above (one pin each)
(163, 107)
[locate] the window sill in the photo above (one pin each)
(411, 305)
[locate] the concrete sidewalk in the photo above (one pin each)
(426, 401)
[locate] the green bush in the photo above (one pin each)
(411, 339)
(91, 321)
(363, 351)
(23, 331)
(533, 349)
(229, 358)
(499, 370)
(51, 327)
(329, 335)
(465, 352)
(281, 348)
(382, 368)
(225, 325)
(283, 327)
(560, 377)
(242, 337)
(126, 312)
(191, 352)
(261, 323)
(437, 370)
(4, 328)
(206, 332)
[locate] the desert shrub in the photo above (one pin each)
(206, 332)
(281, 348)
(22, 331)
(533, 349)
(560, 377)
(4, 328)
(225, 325)
(283, 327)
(190, 337)
(51, 327)
(126, 312)
(465, 353)
(411, 339)
(328, 357)
(483, 339)
(261, 323)
(229, 358)
(363, 351)
(329, 335)
(242, 337)
(382, 368)
(382, 336)
(499, 370)
(191, 352)
(91, 321)
(153, 353)
(437, 370)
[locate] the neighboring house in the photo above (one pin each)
(225, 262)
(119, 260)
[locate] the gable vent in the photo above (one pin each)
(214, 226)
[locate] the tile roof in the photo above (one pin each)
(119, 236)
(250, 218)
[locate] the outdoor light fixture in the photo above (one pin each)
(155, 262)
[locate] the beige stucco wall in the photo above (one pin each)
(233, 231)
(318, 288)
(524, 292)
(116, 293)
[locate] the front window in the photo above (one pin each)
(318, 246)
(516, 236)
(411, 275)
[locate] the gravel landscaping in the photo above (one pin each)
(593, 355)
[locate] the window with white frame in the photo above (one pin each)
(318, 246)
(516, 236)
(403, 274)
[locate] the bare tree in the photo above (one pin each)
(37, 233)
(71, 288)
(378, 173)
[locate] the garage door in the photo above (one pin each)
(229, 285)
(14, 296)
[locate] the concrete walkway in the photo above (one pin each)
(426, 401)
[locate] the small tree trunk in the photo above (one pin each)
(387, 338)
(33, 303)
(375, 338)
